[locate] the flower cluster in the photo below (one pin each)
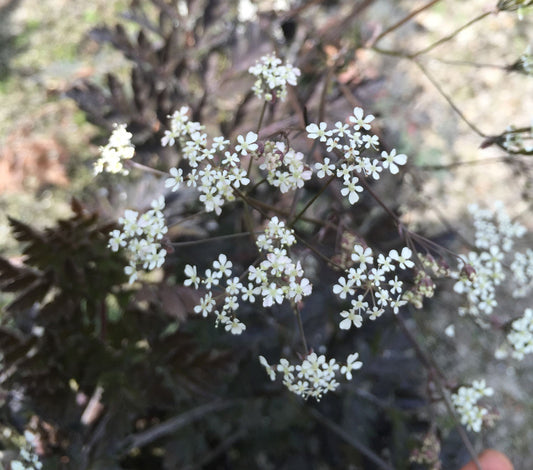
(521, 335)
(349, 141)
(483, 271)
(522, 271)
(273, 77)
(276, 278)
(141, 236)
(466, 400)
(224, 305)
(215, 171)
(428, 453)
(314, 376)
(374, 278)
(118, 149)
(285, 167)
(28, 458)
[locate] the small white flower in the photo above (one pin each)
(223, 265)
(362, 255)
(206, 305)
(351, 189)
(318, 132)
(246, 144)
(391, 160)
(176, 179)
(192, 276)
(351, 364)
(269, 369)
(235, 326)
(343, 288)
(324, 169)
(359, 121)
(402, 259)
(350, 318)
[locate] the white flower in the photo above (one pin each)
(375, 312)
(351, 364)
(223, 265)
(396, 285)
(206, 305)
(118, 149)
(324, 169)
(402, 259)
(175, 180)
(359, 121)
(246, 144)
(269, 369)
(391, 160)
(318, 132)
(343, 288)
(235, 326)
(362, 255)
(370, 141)
(396, 304)
(117, 240)
(273, 77)
(272, 294)
(249, 293)
(192, 276)
(350, 317)
(351, 189)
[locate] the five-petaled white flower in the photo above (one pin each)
(359, 121)
(246, 144)
(318, 132)
(391, 160)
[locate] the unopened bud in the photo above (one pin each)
(469, 272)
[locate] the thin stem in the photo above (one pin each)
(300, 327)
(311, 201)
(259, 124)
(211, 239)
(450, 36)
(449, 166)
(248, 221)
(263, 207)
(316, 252)
(261, 117)
(449, 100)
(172, 425)
(335, 428)
(438, 377)
(404, 20)
(472, 64)
(380, 202)
(147, 169)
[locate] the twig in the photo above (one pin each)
(450, 36)
(449, 100)
(404, 20)
(221, 448)
(172, 425)
(448, 166)
(211, 239)
(300, 327)
(313, 199)
(472, 64)
(369, 454)
(145, 168)
(438, 377)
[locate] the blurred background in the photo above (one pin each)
(69, 69)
